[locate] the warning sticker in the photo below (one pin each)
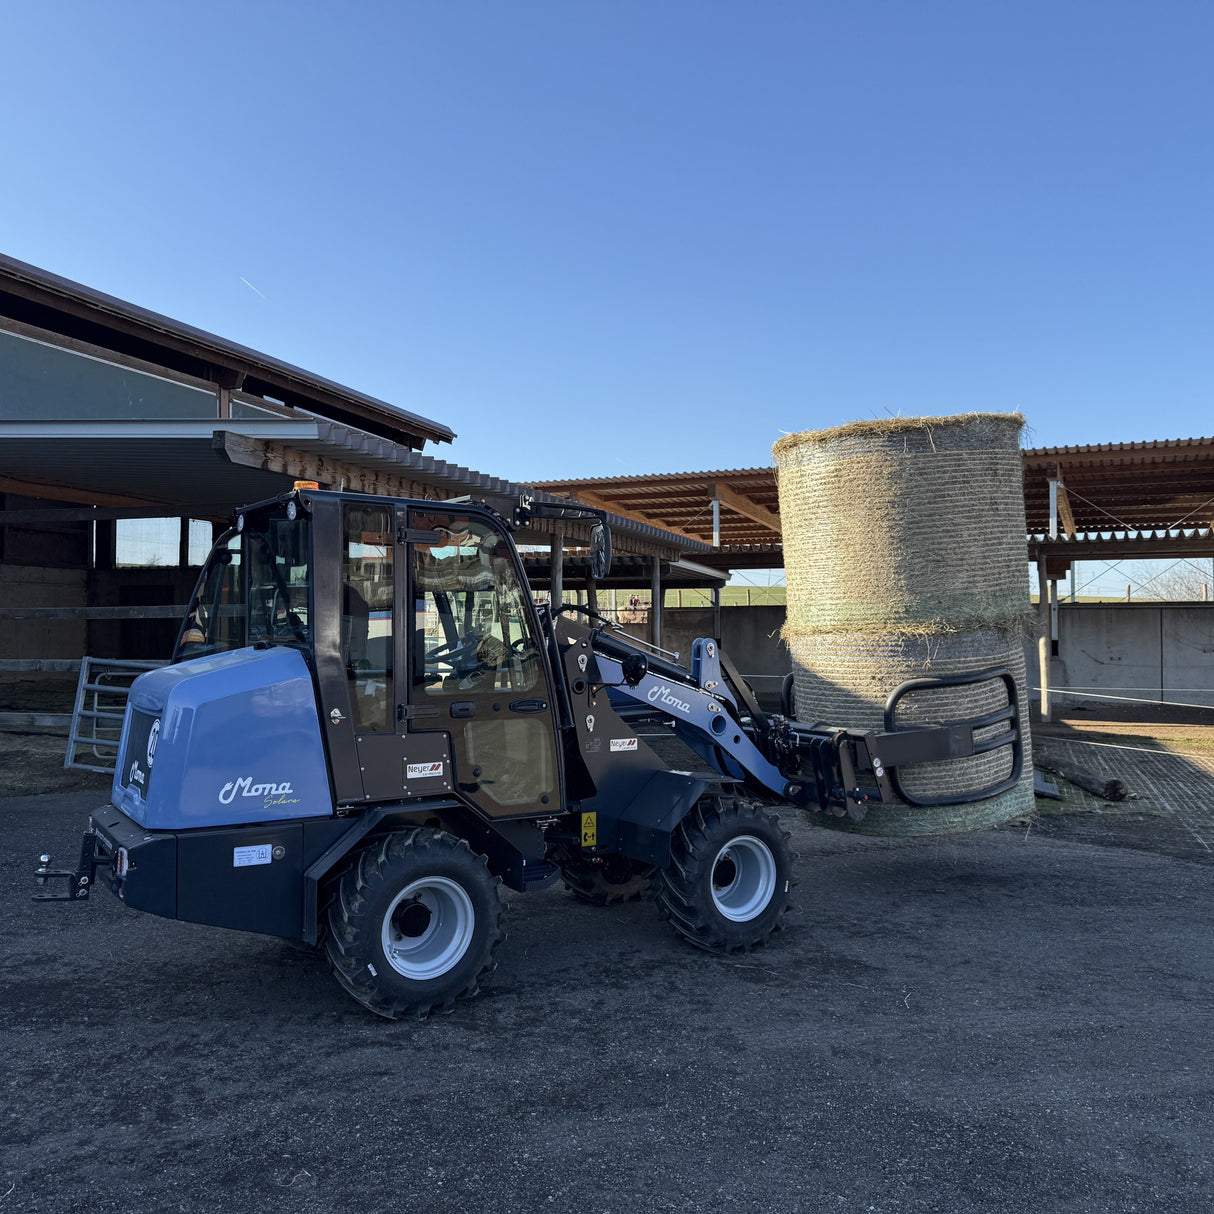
(623, 743)
(420, 771)
(242, 857)
(590, 830)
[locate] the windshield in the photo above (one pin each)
(255, 586)
(277, 551)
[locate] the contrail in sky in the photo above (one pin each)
(251, 287)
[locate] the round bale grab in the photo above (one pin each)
(904, 551)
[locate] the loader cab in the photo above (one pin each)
(430, 666)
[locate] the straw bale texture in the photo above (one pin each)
(905, 558)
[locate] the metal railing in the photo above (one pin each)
(100, 707)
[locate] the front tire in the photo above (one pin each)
(726, 888)
(414, 923)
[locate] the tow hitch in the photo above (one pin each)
(81, 879)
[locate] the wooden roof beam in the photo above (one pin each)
(745, 507)
(1062, 502)
(601, 503)
(1065, 513)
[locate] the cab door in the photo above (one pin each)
(477, 669)
(368, 641)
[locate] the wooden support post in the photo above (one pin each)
(105, 544)
(592, 595)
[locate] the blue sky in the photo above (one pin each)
(600, 238)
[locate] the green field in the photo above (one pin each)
(731, 596)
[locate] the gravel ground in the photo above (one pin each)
(32, 762)
(998, 1022)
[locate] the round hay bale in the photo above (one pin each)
(904, 556)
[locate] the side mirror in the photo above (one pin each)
(600, 551)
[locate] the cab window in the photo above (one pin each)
(366, 629)
(472, 631)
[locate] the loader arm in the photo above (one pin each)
(822, 766)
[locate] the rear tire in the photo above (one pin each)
(414, 922)
(726, 888)
(603, 880)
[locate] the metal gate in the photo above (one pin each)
(101, 695)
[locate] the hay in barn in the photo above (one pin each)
(904, 555)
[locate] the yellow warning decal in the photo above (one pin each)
(590, 830)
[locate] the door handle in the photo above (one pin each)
(463, 708)
(529, 706)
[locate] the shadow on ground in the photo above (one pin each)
(994, 1022)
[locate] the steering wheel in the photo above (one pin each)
(461, 654)
(293, 626)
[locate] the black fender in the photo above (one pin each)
(514, 851)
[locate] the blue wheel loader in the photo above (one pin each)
(368, 726)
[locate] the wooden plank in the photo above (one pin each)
(1065, 514)
(35, 720)
(168, 612)
(90, 514)
(64, 493)
(20, 665)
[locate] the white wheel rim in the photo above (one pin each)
(428, 927)
(743, 878)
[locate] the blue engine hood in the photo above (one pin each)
(223, 740)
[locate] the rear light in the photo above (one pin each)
(122, 862)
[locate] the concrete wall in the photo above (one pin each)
(1142, 651)
(750, 637)
(1152, 651)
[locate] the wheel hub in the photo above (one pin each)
(743, 878)
(427, 928)
(411, 919)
